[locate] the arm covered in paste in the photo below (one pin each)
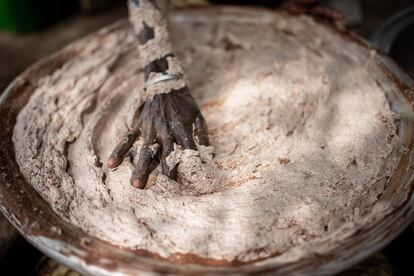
(169, 114)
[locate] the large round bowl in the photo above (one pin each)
(36, 221)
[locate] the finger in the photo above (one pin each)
(144, 167)
(121, 149)
(183, 136)
(200, 130)
(167, 148)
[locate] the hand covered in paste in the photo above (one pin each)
(161, 121)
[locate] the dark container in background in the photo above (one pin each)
(32, 15)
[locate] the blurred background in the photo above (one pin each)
(30, 30)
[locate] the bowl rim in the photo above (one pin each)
(29, 213)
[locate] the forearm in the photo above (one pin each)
(154, 45)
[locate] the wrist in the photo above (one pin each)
(162, 78)
(163, 84)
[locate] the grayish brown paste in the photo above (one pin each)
(303, 137)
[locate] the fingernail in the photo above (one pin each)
(138, 184)
(111, 163)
